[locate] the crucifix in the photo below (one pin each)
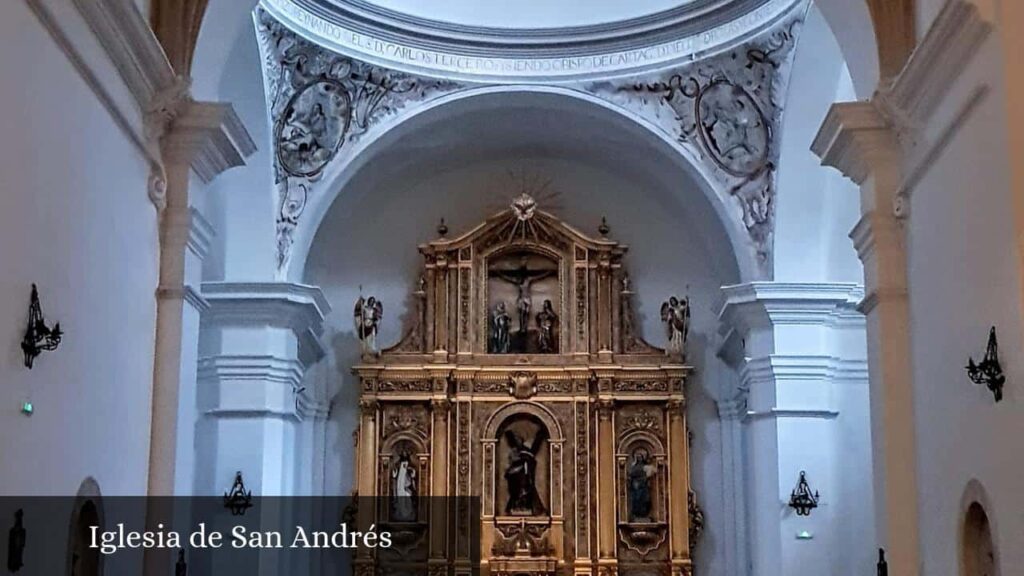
(523, 278)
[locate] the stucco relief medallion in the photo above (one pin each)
(313, 127)
(732, 129)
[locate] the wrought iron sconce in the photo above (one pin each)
(38, 337)
(238, 500)
(801, 499)
(988, 372)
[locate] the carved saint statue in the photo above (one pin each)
(501, 324)
(639, 486)
(404, 490)
(523, 278)
(16, 543)
(521, 475)
(547, 322)
(367, 315)
(676, 315)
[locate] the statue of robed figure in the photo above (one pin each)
(639, 487)
(521, 475)
(403, 500)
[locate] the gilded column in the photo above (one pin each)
(440, 408)
(367, 447)
(679, 486)
(606, 519)
(367, 487)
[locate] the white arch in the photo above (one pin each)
(851, 23)
(359, 155)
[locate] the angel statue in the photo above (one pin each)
(521, 475)
(367, 316)
(676, 315)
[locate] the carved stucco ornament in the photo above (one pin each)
(320, 103)
(727, 109)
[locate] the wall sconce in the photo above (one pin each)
(801, 499)
(239, 499)
(988, 372)
(38, 337)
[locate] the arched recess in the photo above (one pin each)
(978, 553)
(598, 125)
(82, 559)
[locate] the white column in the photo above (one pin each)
(856, 139)
(795, 340)
(206, 138)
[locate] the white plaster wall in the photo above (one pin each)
(76, 220)
(815, 207)
(964, 276)
(370, 235)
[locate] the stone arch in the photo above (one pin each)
(876, 37)
(337, 177)
(978, 553)
(542, 413)
(87, 511)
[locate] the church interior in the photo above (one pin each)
(662, 287)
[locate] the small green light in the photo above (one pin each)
(804, 535)
(27, 408)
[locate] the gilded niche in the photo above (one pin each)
(523, 382)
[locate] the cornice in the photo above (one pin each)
(210, 137)
(480, 54)
(853, 136)
(297, 307)
(768, 304)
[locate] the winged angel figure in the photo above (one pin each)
(367, 316)
(675, 314)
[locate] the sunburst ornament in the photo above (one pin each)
(526, 191)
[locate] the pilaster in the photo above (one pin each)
(797, 340)
(857, 140)
(257, 341)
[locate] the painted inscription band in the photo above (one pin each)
(481, 67)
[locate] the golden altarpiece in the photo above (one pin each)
(522, 381)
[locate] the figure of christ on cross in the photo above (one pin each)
(523, 278)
